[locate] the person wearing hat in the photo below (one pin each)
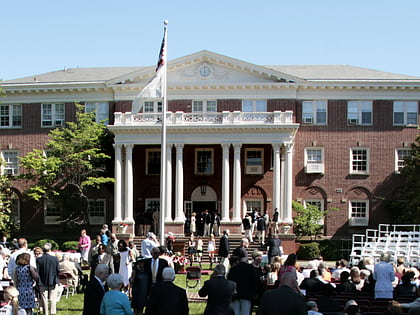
(48, 269)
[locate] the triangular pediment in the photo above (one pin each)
(206, 68)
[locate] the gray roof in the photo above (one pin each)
(339, 73)
(77, 75)
(306, 72)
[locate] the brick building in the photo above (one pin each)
(240, 137)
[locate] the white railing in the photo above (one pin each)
(217, 118)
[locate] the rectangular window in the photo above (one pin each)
(153, 107)
(52, 213)
(359, 212)
(405, 112)
(152, 205)
(101, 110)
(319, 203)
(314, 112)
(253, 204)
(153, 161)
(401, 154)
(254, 105)
(359, 161)
(254, 161)
(314, 160)
(204, 161)
(359, 112)
(11, 162)
(97, 211)
(10, 116)
(52, 115)
(204, 106)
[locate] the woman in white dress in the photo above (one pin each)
(211, 249)
(192, 224)
(126, 262)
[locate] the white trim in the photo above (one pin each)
(312, 201)
(12, 108)
(352, 119)
(254, 168)
(359, 172)
(10, 168)
(205, 106)
(313, 118)
(397, 159)
(405, 105)
(55, 121)
(312, 167)
(358, 221)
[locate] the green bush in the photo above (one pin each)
(308, 251)
(330, 250)
(69, 245)
(54, 245)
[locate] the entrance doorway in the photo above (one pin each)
(200, 206)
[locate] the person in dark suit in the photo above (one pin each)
(273, 245)
(48, 269)
(219, 291)
(155, 276)
(102, 257)
(283, 300)
(246, 279)
(313, 285)
(224, 248)
(241, 251)
(95, 291)
(167, 298)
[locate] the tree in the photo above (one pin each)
(74, 162)
(6, 203)
(306, 222)
(409, 207)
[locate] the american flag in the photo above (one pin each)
(154, 89)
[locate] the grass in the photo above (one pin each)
(73, 305)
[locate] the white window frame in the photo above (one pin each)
(254, 106)
(355, 117)
(196, 153)
(14, 112)
(100, 109)
(188, 208)
(207, 106)
(251, 205)
(52, 219)
(312, 112)
(148, 152)
(314, 166)
(152, 106)
(252, 168)
(11, 163)
(405, 108)
(151, 204)
(354, 218)
(55, 117)
(97, 219)
(359, 172)
(321, 207)
(399, 158)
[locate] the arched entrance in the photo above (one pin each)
(206, 201)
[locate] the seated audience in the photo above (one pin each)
(345, 284)
(312, 308)
(406, 288)
(313, 285)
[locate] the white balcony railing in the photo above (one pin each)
(217, 118)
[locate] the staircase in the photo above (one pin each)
(181, 245)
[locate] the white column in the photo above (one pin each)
(288, 183)
(276, 177)
(282, 181)
(225, 182)
(168, 211)
(118, 183)
(179, 189)
(128, 218)
(237, 182)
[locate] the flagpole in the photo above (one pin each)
(163, 178)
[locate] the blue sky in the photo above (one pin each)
(45, 35)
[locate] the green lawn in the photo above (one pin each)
(73, 305)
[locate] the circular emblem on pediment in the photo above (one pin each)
(204, 71)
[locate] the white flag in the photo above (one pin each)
(155, 88)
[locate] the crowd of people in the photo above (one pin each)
(127, 280)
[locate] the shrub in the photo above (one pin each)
(330, 250)
(70, 245)
(308, 251)
(54, 245)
